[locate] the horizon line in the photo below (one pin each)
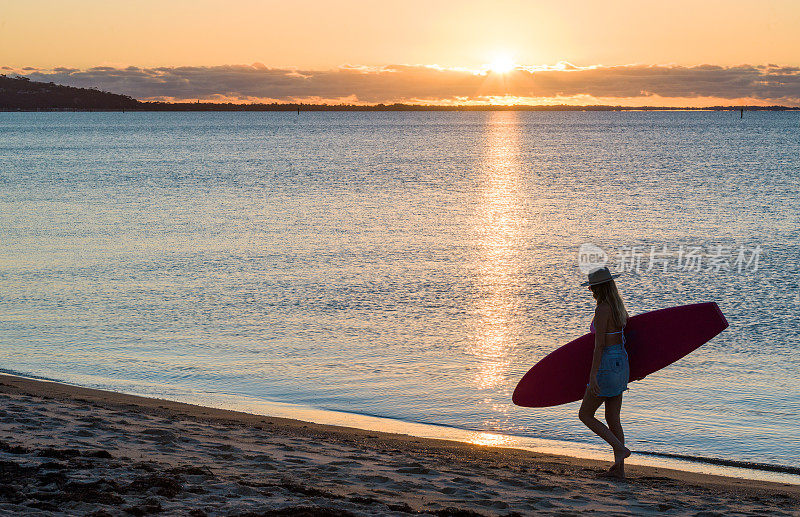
(300, 106)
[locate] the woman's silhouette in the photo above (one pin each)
(609, 374)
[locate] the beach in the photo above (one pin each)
(68, 450)
(278, 260)
(409, 266)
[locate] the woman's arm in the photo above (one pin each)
(601, 314)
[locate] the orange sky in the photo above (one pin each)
(324, 35)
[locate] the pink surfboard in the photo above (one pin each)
(653, 340)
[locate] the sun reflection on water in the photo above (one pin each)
(498, 234)
(492, 440)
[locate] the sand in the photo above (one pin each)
(66, 450)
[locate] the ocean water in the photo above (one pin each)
(411, 266)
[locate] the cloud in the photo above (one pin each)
(423, 83)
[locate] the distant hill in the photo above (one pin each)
(20, 93)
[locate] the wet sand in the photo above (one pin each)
(66, 450)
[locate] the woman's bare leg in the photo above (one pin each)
(588, 408)
(613, 408)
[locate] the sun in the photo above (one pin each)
(502, 64)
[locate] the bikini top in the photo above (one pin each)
(591, 329)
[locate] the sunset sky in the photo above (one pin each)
(577, 52)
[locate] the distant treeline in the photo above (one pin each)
(22, 94)
(211, 106)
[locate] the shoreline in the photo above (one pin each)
(729, 468)
(359, 471)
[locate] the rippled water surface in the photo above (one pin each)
(406, 265)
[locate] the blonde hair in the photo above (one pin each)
(607, 292)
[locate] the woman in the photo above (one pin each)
(608, 377)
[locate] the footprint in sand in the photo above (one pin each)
(160, 435)
(449, 490)
(375, 479)
(415, 468)
(464, 481)
(490, 503)
(224, 447)
(344, 463)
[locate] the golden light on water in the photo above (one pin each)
(492, 440)
(499, 238)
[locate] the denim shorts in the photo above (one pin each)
(614, 372)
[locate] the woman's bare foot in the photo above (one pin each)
(618, 468)
(620, 455)
(616, 472)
